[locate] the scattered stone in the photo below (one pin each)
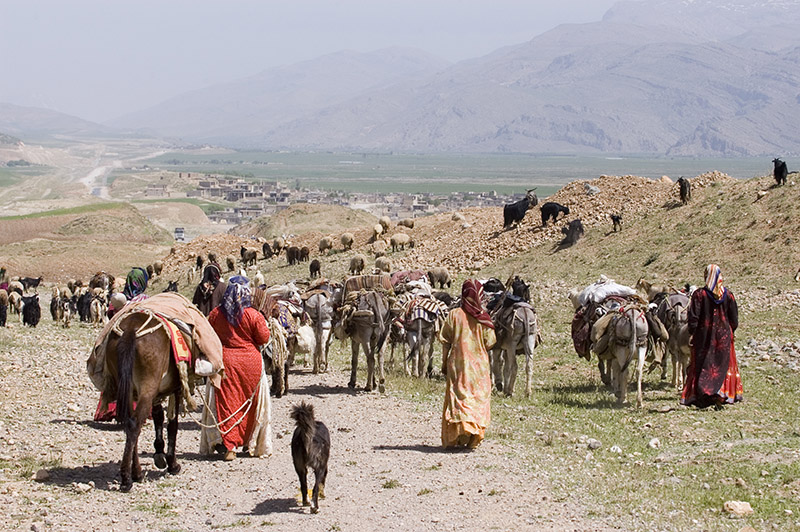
(593, 444)
(616, 449)
(41, 475)
(655, 443)
(738, 508)
(80, 487)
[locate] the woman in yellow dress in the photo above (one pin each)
(467, 336)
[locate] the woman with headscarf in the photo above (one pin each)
(135, 283)
(241, 329)
(209, 293)
(713, 374)
(466, 336)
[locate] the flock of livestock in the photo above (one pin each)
(75, 299)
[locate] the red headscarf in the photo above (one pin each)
(472, 302)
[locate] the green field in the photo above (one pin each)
(207, 206)
(444, 173)
(83, 209)
(12, 176)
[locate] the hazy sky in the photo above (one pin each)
(100, 59)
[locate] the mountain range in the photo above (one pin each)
(662, 77)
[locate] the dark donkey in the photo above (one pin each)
(141, 363)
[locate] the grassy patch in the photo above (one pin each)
(27, 465)
(207, 206)
(390, 484)
(83, 209)
(424, 491)
(244, 521)
(160, 509)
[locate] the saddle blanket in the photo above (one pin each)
(367, 282)
(180, 349)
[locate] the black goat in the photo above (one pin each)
(311, 446)
(685, 190)
(85, 307)
(780, 171)
(267, 250)
(616, 219)
(515, 212)
(493, 285)
(313, 268)
(304, 252)
(572, 232)
(172, 286)
(30, 282)
(292, 255)
(31, 312)
(551, 210)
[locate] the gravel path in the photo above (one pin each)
(387, 471)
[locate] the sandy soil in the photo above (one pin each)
(387, 470)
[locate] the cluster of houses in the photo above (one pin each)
(247, 198)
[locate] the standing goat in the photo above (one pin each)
(780, 171)
(515, 212)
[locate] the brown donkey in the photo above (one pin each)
(141, 367)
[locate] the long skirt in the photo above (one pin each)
(260, 440)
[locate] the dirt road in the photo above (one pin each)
(387, 471)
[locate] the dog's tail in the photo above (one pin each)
(303, 414)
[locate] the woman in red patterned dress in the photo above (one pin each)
(713, 374)
(241, 329)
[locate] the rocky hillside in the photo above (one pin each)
(304, 218)
(749, 227)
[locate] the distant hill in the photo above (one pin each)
(240, 111)
(692, 78)
(8, 140)
(36, 123)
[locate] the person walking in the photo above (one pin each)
(713, 375)
(242, 400)
(466, 336)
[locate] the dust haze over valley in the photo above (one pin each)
(120, 122)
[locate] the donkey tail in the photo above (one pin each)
(126, 351)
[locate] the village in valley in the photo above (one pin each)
(245, 199)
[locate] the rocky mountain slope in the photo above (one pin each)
(695, 78)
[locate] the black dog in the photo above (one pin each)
(311, 445)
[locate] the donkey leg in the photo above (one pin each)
(496, 358)
(370, 351)
(675, 369)
(429, 355)
(381, 374)
(530, 345)
(622, 381)
(159, 459)
(605, 372)
(127, 455)
(353, 362)
(509, 371)
(642, 352)
(172, 436)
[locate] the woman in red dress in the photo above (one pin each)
(241, 329)
(713, 374)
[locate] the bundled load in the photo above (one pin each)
(597, 300)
